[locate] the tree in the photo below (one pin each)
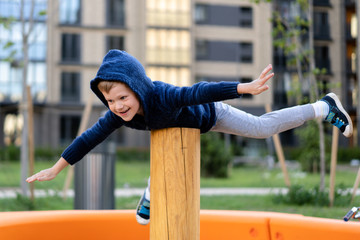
(26, 19)
(294, 35)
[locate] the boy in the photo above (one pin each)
(137, 102)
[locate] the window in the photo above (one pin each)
(37, 41)
(200, 13)
(353, 26)
(246, 52)
(223, 15)
(115, 13)
(70, 48)
(322, 59)
(37, 80)
(179, 76)
(202, 49)
(70, 11)
(168, 46)
(321, 26)
(168, 13)
(70, 87)
(37, 49)
(115, 42)
(10, 8)
(69, 126)
(245, 17)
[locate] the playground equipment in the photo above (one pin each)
(353, 213)
(175, 209)
(214, 225)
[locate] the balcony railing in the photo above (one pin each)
(322, 3)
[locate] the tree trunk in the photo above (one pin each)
(23, 103)
(314, 97)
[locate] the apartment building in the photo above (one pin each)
(178, 41)
(334, 41)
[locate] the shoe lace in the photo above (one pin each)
(338, 122)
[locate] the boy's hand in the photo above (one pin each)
(50, 173)
(44, 175)
(258, 85)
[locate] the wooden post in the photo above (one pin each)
(31, 138)
(356, 185)
(279, 152)
(334, 150)
(175, 184)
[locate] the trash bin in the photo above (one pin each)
(95, 178)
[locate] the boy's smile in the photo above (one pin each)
(123, 102)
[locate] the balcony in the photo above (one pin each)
(351, 66)
(350, 3)
(349, 36)
(322, 3)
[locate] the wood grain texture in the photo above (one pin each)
(175, 184)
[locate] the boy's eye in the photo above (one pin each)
(109, 101)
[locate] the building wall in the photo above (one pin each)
(259, 35)
(93, 31)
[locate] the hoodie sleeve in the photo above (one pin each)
(91, 138)
(201, 93)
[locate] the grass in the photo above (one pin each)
(135, 174)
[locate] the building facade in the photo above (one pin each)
(178, 41)
(334, 25)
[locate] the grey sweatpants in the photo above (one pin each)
(234, 121)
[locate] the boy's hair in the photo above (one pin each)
(106, 86)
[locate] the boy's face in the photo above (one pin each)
(123, 102)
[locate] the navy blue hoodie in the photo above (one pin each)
(164, 105)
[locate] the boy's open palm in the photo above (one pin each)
(44, 175)
(258, 85)
(50, 173)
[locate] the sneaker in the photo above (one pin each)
(337, 115)
(143, 211)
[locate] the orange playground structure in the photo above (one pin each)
(214, 225)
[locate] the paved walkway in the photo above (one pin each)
(129, 192)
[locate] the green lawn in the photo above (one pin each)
(135, 174)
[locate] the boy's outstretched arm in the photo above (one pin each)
(50, 173)
(258, 85)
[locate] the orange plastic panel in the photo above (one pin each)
(311, 228)
(76, 224)
(214, 225)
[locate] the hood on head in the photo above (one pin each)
(121, 66)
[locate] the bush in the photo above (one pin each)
(215, 157)
(133, 154)
(47, 153)
(345, 155)
(10, 153)
(309, 156)
(299, 195)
